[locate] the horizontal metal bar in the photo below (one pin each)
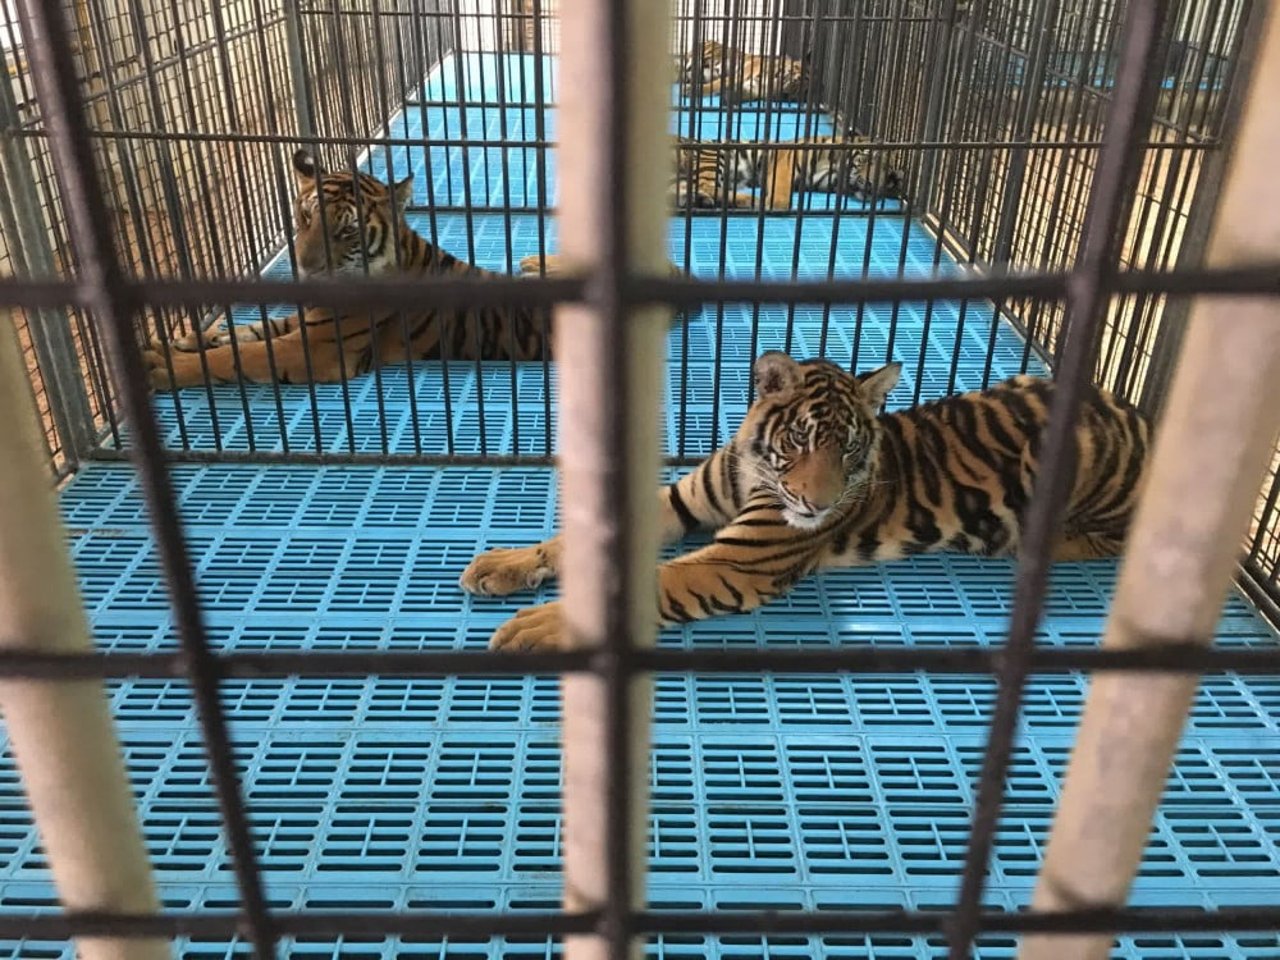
(455, 292)
(875, 146)
(294, 456)
(345, 459)
(213, 924)
(1263, 280)
(1166, 658)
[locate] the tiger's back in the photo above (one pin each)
(708, 176)
(958, 474)
(736, 77)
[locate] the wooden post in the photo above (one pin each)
(614, 164)
(61, 732)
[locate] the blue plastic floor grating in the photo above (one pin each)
(826, 791)
(789, 792)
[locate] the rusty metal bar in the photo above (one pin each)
(1097, 260)
(1220, 426)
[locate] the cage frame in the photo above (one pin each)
(103, 287)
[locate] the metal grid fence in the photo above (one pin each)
(193, 113)
(113, 282)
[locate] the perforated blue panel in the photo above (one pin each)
(792, 792)
(828, 791)
(504, 92)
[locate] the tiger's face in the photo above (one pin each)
(360, 220)
(813, 434)
(706, 63)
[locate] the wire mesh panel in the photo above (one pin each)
(1044, 73)
(985, 161)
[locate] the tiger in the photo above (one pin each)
(707, 177)
(819, 475)
(346, 344)
(742, 77)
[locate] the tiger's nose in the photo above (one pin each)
(808, 502)
(312, 259)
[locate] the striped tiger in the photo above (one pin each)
(708, 176)
(819, 476)
(743, 77)
(346, 344)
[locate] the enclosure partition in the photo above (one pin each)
(194, 114)
(1060, 164)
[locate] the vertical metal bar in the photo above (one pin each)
(1045, 14)
(507, 157)
(468, 202)
(50, 330)
(614, 166)
(931, 120)
(540, 164)
(102, 28)
(1126, 125)
(1068, 115)
(62, 734)
(54, 73)
(283, 207)
(1211, 454)
(397, 212)
(1200, 216)
(420, 14)
(1266, 518)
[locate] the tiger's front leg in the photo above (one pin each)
(223, 335)
(506, 570)
(702, 499)
(753, 560)
(286, 360)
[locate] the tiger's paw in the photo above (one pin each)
(185, 367)
(498, 573)
(157, 370)
(531, 265)
(538, 628)
(190, 342)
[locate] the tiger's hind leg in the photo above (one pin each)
(1088, 546)
(288, 356)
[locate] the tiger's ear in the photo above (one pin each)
(875, 385)
(403, 190)
(774, 372)
(304, 168)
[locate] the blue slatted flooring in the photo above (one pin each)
(788, 792)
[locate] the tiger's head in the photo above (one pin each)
(706, 63)
(813, 434)
(361, 218)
